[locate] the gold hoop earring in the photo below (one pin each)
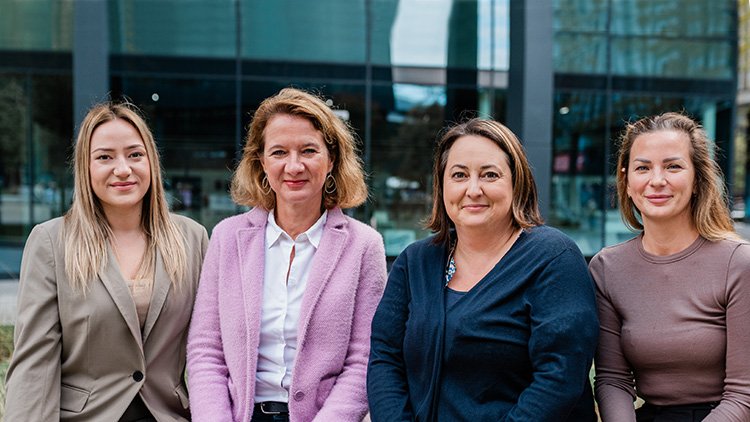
(265, 185)
(330, 185)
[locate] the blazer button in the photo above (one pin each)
(138, 376)
(299, 395)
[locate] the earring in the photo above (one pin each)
(330, 185)
(265, 185)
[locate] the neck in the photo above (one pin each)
(296, 219)
(483, 242)
(122, 221)
(666, 238)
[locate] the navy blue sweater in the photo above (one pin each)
(517, 347)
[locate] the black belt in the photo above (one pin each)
(272, 408)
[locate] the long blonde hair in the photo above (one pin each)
(709, 206)
(86, 230)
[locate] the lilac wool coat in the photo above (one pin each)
(346, 282)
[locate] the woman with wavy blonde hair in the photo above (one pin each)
(281, 326)
(105, 292)
(674, 301)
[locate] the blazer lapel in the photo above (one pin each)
(162, 284)
(327, 256)
(118, 289)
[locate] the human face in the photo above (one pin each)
(477, 185)
(296, 161)
(661, 177)
(118, 166)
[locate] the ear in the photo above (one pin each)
(331, 159)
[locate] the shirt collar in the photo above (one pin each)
(274, 232)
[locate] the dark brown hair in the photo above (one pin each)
(525, 208)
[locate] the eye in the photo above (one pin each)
(137, 154)
(276, 153)
(458, 175)
(309, 151)
(640, 168)
(491, 175)
(102, 157)
(674, 166)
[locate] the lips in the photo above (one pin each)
(475, 207)
(658, 199)
(122, 185)
(295, 183)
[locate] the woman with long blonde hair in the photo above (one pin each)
(674, 301)
(106, 292)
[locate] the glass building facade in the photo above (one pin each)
(396, 70)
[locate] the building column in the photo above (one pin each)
(90, 56)
(531, 87)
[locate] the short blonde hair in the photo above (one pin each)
(349, 189)
(86, 229)
(524, 209)
(709, 206)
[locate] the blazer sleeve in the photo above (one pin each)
(206, 367)
(33, 378)
(563, 337)
(614, 384)
(387, 386)
(735, 401)
(348, 394)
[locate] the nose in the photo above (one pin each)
(475, 187)
(295, 165)
(122, 168)
(658, 178)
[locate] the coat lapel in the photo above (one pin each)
(162, 284)
(118, 289)
(248, 281)
(327, 256)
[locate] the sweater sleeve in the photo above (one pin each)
(33, 378)
(387, 386)
(735, 401)
(562, 340)
(207, 370)
(348, 400)
(614, 384)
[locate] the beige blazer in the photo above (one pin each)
(81, 358)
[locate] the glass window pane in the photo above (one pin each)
(36, 25)
(580, 53)
(672, 58)
(673, 18)
(196, 28)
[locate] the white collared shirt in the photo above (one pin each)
(281, 305)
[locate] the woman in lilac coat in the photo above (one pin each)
(281, 324)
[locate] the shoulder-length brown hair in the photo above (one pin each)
(349, 189)
(86, 230)
(525, 208)
(709, 205)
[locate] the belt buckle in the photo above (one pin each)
(269, 412)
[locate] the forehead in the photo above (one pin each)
(661, 142)
(287, 128)
(474, 149)
(115, 133)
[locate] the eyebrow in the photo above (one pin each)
(484, 167)
(666, 160)
(102, 149)
(308, 144)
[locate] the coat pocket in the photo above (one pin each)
(73, 399)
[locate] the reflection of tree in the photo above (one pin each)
(13, 106)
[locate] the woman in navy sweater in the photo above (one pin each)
(494, 317)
